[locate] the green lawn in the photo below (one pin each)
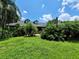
(36, 48)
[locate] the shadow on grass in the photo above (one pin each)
(73, 40)
(3, 39)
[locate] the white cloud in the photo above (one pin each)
(64, 17)
(76, 6)
(46, 17)
(62, 10)
(68, 17)
(66, 2)
(72, 3)
(75, 17)
(43, 5)
(24, 11)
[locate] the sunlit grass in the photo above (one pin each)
(36, 48)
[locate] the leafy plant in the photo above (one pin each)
(63, 31)
(30, 29)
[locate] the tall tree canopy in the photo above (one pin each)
(9, 13)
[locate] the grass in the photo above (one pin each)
(36, 48)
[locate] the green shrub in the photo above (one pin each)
(30, 29)
(44, 34)
(71, 30)
(19, 32)
(52, 32)
(63, 31)
(27, 29)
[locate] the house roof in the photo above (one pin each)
(22, 23)
(41, 25)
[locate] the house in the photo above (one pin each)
(21, 23)
(39, 25)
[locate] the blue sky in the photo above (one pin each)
(44, 10)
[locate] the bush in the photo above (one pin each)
(13, 30)
(27, 29)
(71, 30)
(30, 29)
(19, 32)
(52, 32)
(7, 32)
(61, 32)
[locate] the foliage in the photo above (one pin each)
(10, 30)
(19, 32)
(30, 29)
(52, 32)
(8, 14)
(63, 31)
(72, 29)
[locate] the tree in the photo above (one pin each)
(27, 20)
(36, 22)
(55, 21)
(8, 13)
(30, 29)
